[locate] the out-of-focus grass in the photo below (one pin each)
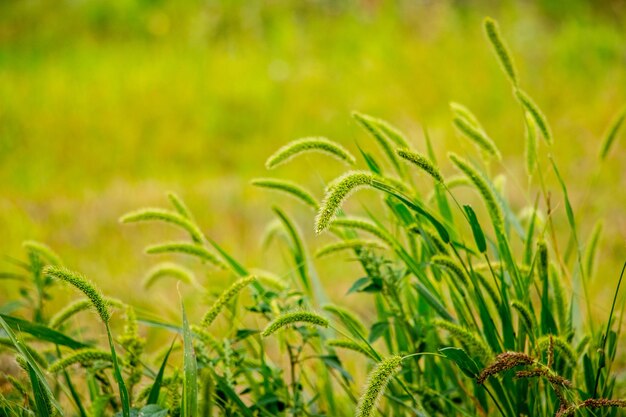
(104, 105)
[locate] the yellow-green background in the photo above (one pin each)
(105, 106)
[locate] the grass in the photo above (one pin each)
(477, 301)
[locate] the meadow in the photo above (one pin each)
(464, 283)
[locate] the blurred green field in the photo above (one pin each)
(104, 106)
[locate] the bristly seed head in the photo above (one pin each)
(377, 382)
(85, 357)
(286, 319)
(305, 145)
(485, 190)
(504, 362)
(225, 298)
(337, 192)
(500, 48)
(83, 285)
(421, 162)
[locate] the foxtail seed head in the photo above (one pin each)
(287, 319)
(611, 133)
(306, 145)
(83, 285)
(421, 162)
(179, 205)
(535, 112)
(365, 226)
(337, 192)
(376, 385)
(351, 320)
(43, 251)
(348, 244)
(186, 248)
(157, 214)
(168, 269)
(485, 190)
(530, 148)
(478, 136)
(526, 315)
(76, 307)
(463, 112)
(225, 298)
(350, 345)
(476, 346)
(560, 345)
(500, 48)
(373, 126)
(287, 187)
(85, 357)
(452, 266)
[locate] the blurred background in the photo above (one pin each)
(107, 105)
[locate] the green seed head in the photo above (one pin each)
(307, 145)
(337, 192)
(376, 385)
(501, 50)
(525, 314)
(186, 248)
(535, 113)
(366, 226)
(43, 251)
(478, 136)
(452, 266)
(287, 319)
(348, 244)
(463, 112)
(373, 126)
(85, 357)
(287, 187)
(83, 285)
(225, 298)
(483, 188)
(174, 218)
(475, 345)
(168, 269)
(421, 162)
(611, 133)
(350, 345)
(76, 307)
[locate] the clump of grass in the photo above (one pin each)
(462, 319)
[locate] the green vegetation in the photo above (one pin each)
(475, 297)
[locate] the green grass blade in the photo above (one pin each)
(477, 231)
(42, 332)
(441, 229)
(117, 374)
(41, 379)
(611, 133)
(190, 375)
(42, 398)
(153, 397)
(223, 386)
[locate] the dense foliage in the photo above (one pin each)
(474, 306)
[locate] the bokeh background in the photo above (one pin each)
(106, 105)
